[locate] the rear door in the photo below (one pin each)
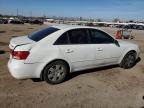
(75, 47)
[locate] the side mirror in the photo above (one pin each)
(116, 42)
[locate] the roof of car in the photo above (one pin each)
(62, 26)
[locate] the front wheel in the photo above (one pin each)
(129, 60)
(56, 72)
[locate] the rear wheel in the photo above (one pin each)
(129, 60)
(56, 72)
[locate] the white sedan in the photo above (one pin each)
(54, 52)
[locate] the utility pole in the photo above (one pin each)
(31, 14)
(17, 12)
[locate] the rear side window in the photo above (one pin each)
(37, 36)
(99, 37)
(62, 40)
(78, 36)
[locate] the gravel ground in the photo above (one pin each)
(108, 87)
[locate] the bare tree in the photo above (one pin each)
(116, 20)
(99, 20)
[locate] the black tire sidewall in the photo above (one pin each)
(122, 64)
(45, 74)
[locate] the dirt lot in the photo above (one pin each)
(110, 87)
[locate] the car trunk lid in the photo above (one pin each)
(18, 41)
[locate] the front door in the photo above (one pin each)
(105, 49)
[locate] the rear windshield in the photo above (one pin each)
(37, 36)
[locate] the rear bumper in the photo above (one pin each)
(19, 70)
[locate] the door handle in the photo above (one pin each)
(69, 51)
(100, 49)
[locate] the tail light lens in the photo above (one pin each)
(20, 55)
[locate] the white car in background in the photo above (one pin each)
(53, 52)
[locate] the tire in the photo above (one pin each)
(129, 60)
(56, 72)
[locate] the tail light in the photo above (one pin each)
(20, 55)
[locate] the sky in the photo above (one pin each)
(104, 9)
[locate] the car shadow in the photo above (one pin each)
(138, 60)
(75, 74)
(2, 52)
(36, 80)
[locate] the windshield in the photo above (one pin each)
(37, 36)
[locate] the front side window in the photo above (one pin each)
(99, 37)
(78, 36)
(37, 36)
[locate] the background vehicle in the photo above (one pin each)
(3, 21)
(35, 22)
(16, 22)
(52, 53)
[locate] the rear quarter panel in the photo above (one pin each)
(42, 54)
(45, 54)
